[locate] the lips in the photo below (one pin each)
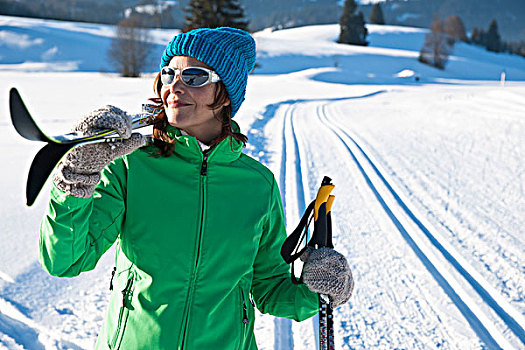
(177, 104)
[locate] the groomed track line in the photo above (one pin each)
(283, 334)
(483, 326)
(293, 185)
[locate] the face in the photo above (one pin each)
(187, 107)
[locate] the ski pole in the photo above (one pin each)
(322, 238)
(320, 211)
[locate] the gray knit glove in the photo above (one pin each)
(79, 172)
(327, 272)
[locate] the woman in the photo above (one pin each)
(199, 225)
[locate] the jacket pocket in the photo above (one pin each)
(245, 319)
(127, 294)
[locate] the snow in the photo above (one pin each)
(48, 45)
(405, 73)
(151, 9)
(429, 180)
(406, 16)
(20, 41)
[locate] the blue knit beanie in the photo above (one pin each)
(228, 51)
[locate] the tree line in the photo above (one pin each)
(437, 47)
(444, 34)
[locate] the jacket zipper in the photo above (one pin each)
(244, 312)
(115, 267)
(112, 276)
(245, 320)
(204, 165)
(122, 317)
(203, 174)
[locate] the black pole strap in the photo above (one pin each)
(292, 242)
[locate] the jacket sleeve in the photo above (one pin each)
(75, 232)
(272, 288)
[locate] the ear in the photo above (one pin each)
(227, 103)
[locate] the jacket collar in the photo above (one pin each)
(187, 146)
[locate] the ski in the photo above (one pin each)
(58, 146)
(28, 129)
(42, 166)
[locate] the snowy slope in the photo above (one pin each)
(47, 45)
(429, 182)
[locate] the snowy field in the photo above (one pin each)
(429, 179)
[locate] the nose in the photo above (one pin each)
(177, 84)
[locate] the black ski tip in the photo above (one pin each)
(15, 100)
(22, 120)
(13, 92)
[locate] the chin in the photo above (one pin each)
(174, 119)
(175, 123)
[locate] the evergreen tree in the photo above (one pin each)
(353, 30)
(233, 12)
(455, 28)
(474, 35)
(376, 16)
(215, 13)
(493, 39)
(478, 36)
(198, 15)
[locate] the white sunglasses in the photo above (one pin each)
(190, 76)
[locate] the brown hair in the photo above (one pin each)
(165, 144)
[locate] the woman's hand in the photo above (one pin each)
(327, 272)
(79, 172)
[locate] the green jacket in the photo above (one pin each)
(196, 238)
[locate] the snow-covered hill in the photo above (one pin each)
(28, 44)
(429, 180)
(45, 45)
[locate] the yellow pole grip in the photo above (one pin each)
(329, 203)
(322, 197)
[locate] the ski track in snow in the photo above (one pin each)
(495, 321)
(283, 327)
(480, 322)
(292, 180)
(481, 227)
